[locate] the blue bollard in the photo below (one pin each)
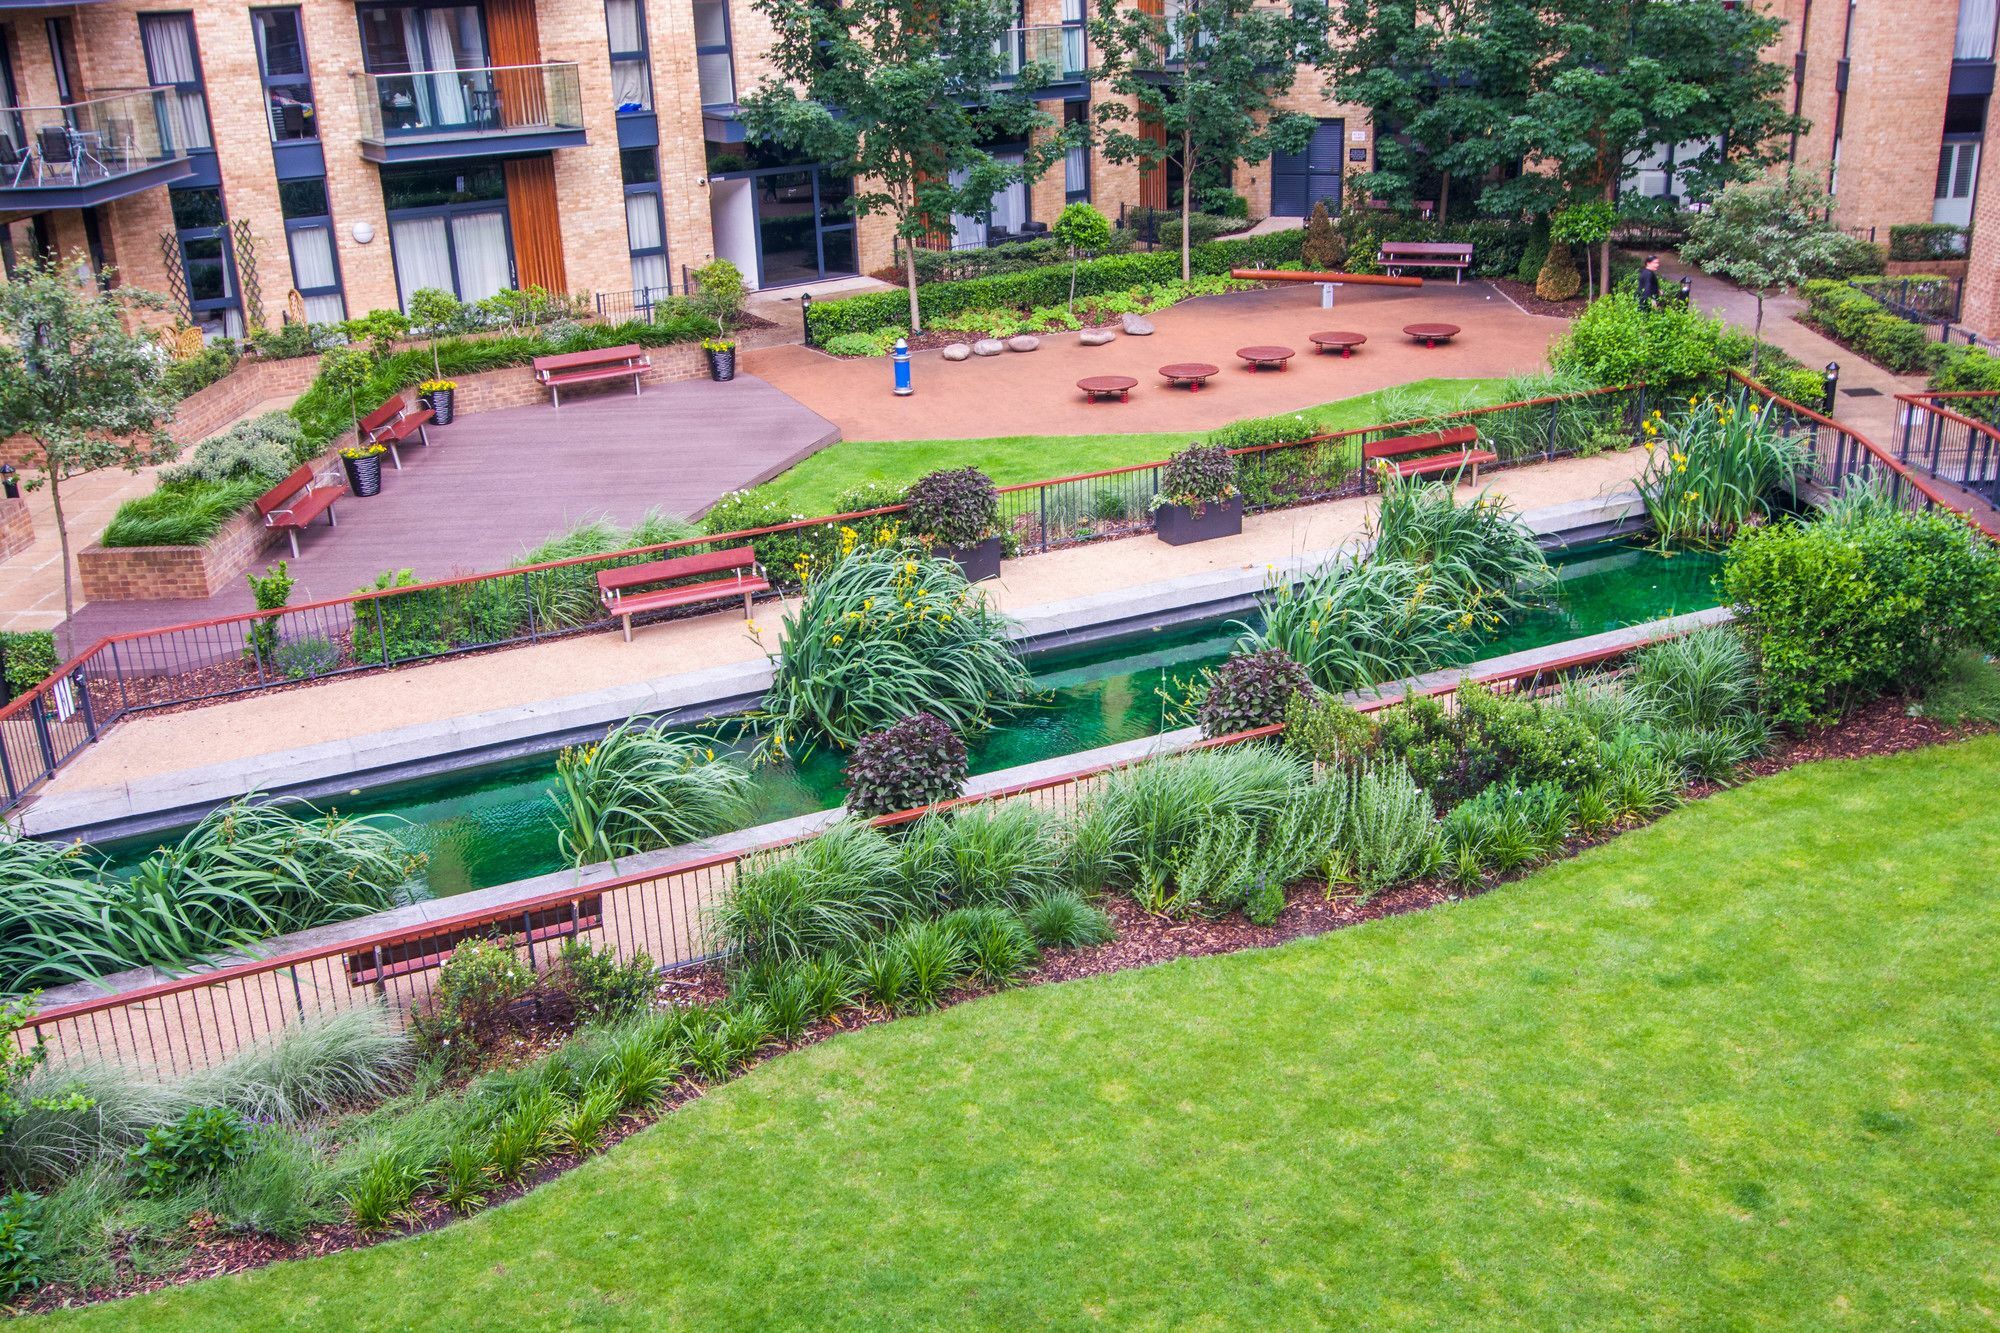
(901, 356)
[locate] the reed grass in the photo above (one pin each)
(1712, 467)
(642, 788)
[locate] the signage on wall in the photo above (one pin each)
(1357, 155)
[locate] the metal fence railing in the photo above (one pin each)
(638, 303)
(1922, 300)
(1943, 436)
(199, 1020)
(370, 631)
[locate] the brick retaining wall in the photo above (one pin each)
(142, 573)
(17, 527)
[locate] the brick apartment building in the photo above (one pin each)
(352, 153)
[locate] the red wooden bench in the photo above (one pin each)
(299, 499)
(1417, 456)
(395, 422)
(632, 590)
(1396, 256)
(606, 363)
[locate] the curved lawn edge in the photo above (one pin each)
(1739, 1059)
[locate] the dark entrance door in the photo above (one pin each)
(1300, 180)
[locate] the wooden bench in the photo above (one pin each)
(299, 499)
(1455, 255)
(630, 589)
(393, 423)
(1417, 456)
(606, 363)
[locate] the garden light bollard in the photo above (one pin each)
(1832, 374)
(1326, 295)
(901, 358)
(10, 482)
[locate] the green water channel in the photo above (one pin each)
(492, 825)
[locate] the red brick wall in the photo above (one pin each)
(17, 527)
(140, 573)
(1981, 308)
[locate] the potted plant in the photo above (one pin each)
(721, 358)
(956, 512)
(441, 397)
(363, 465)
(1198, 499)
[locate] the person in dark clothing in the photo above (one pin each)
(1649, 283)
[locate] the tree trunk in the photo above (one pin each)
(62, 539)
(1757, 334)
(1187, 197)
(910, 273)
(1604, 247)
(1072, 280)
(1444, 195)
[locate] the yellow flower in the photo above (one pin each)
(909, 566)
(868, 604)
(1680, 457)
(837, 639)
(710, 754)
(909, 606)
(944, 615)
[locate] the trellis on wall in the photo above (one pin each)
(246, 273)
(170, 260)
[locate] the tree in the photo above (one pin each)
(1082, 230)
(346, 370)
(1612, 79)
(435, 311)
(1323, 249)
(1587, 223)
(75, 381)
(901, 95)
(1765, 237)
(1199, 83)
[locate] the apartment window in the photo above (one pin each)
(1957, 176)
(448, 230)
(11, 123)
(1076, 160)
(645, 228)
(202, 231)
(713, 65)
(1975, 30)
(309, 237)
(281, 55)
(631, 72)
(62, 60)
(1075, 56)
(173, 62)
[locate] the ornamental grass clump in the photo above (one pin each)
(955, 508)
(983, 856)
(834, 893)
(1479, 548)
(879, 636)
(1352, 626)
(1196, 477)
(641, 788)
(1712, 468)
(915, 762)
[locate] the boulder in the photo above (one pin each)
(988, 347)
(1095, 337)
(957, 352)
(1136, 325)
(1023, 342)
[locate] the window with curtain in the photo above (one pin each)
(631, 72)
(1976, 22)
(1076, 160)
(309, 238)
(423, 255)
(281, 57)
(168, 40)
(645, 229)
(713, 65)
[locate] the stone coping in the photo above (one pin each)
(500, 896)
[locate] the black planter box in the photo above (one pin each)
(364, 475)
(443, 405)
(977, 562)
(722, 366)
(1179, 524)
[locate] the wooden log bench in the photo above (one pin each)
(1396, 256)
(299, 499)
(605, 363)
(1418, 456)
(632, 590)
(394, 423)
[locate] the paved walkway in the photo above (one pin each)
(242, 729)
(495, 483)
(1034, 393)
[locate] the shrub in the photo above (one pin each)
(1712, 468)
(1250, 690)
(834, 893)
(29, 658)
(302, 659)
(191, 375)
(1063, 920)
(1534, 251)
(270, 590)
(1485, 739)
(878, 343)
(277, 1187)
(1840, 612)
(186, 514)
(476, 987)
(1704, 679)
(1961, 369)
(1391, 834)
(263, 450)
(1197, 476)
(954, 508)
(1918, 241)
(21, 1257)
(915, 762)
(173, 1156)
(1559, 279)
(1324, 250)
(641, 788)
(981, 856)
(1504, 828)
(1857, 319)
(1326, 728)
(882, 635)
(595, 987)
(1614, 342)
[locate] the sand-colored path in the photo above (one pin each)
(1034, 393)
(150, 746)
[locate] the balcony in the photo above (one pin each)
(87, 153)
(493, 112)
(1058, 47)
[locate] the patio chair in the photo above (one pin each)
(292, 120)
(121, 140)
(14, 159)
(58, 148)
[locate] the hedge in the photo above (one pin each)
(1914, 242)
(1046, 286)
(1859, 321)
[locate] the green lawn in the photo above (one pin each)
(1738, 1069)
(810, 487)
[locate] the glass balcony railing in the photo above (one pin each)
(417, 105)
(1054, 46)
(87, 147)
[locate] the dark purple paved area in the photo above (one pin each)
(495, 483)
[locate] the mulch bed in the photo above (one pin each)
(1523, 295)
(1883, 727)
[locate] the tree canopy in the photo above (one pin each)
(1768, 236)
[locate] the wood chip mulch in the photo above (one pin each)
(1523, 294)
(1884, 727)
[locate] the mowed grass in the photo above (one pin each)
(1737, 1069)
(811, 486)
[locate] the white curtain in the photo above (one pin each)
(1010, 205)
(1975, 30)
(479, 240)
(631, 84)
(621, 21)
(650, 272)
(1076, 169)
(329, 309)
(447, 93)
(966, 228)
(642, 221)
(717, 78)
(169, 41)
(312, 258)
(423, 255)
